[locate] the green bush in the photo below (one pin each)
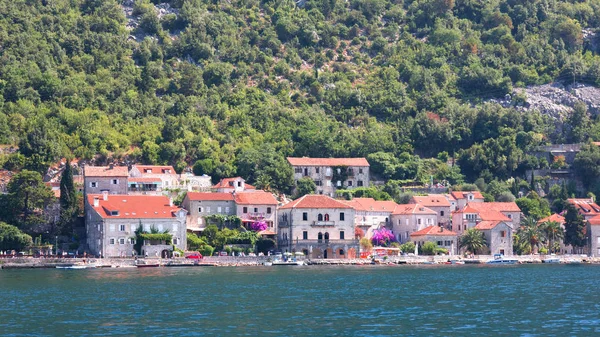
(206, 250)
(408, 247)
(429, 248)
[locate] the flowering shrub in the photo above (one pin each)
(383, 237)
(258, 226)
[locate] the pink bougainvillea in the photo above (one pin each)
(383, 237)
(258, 226)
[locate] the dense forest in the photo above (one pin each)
(233, 87)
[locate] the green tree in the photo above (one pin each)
(587, 163)
(428, 248)
(305, 186)
(69, 205)
(554, 232)
(531, 233)
(472, 240)
(574, 228)
(27, 197)
(11, 238)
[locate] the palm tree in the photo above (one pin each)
(473, 240)
(530, 233)
(553, 232)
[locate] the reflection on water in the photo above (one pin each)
(318, 301)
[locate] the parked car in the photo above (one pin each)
(223, 253)
(193, 255)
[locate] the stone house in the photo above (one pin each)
(111, 179)
(257, 206)
(473, 213)
(230, 185)
(152, 179)
(498, 235)
(464, 197)
(410, 218)
(586, 207)
(330, 174)
(319, 226)
(442, 237)
(111, 222)
(190, 182)
(593, 235)
(201, 204)
(371, 214)
(438, 203)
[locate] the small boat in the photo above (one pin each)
(500, 259)
(457, 262)
(267, 263)
(75, 267)
(551, 260)
(287, 263)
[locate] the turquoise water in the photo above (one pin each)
(531, 300)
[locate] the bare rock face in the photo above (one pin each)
(557, 101)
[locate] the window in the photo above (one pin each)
(219, 209)
(255, 210)
(317, 170)
(93, 184)
(326, 217)
(458, 227)
(115, 181)
(441, 213)
(111, 241)
(341, 252)
(502, 234)
(342, 216)
(439, 243)
(114, 213)
(326, 236)
(199, 220)
(349, 182)
(501, 251)
(419, 221)
(318, 183)
(304, 216)
(305, 171)
(268, 210)
(226, 209)
(339, 171)
(199, 209)
(341, 235)
(133, 228)
(320, 236)
(360, 171)
(297, 170)
(328, 172)
(470, 197)
(131, 241)
(339, 183)
(305, 235)
(175, 241)
(121, 228)
(122, 241)
(510, 216)
(399, 222)
(207, 209)
(359, 183)
(245, 210)
(598, 240)
(320, 217)
(328, 183)
(239, 184)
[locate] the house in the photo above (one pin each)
(593, 234)
(444, 238)
(330, 174)
(475, 212)
(112, 220)
(230, 185)
(112, 179)
(202, 204)
(438, 203)
(464, 197)
(319, 226)
(586, 207)
(371, 214)
(561, 220)
(190, 182)
(410, 218)
(498, 235)
(257, 206)
(152, 179)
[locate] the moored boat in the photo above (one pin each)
(500, 259)
(551, 260)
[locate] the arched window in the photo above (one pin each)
(320, 236)
(326, 217)
(320, 217)
(341, 252)
(326, 236)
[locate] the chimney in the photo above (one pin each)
(104, 195)
(170, 202)
(111, 166)
(96, 202)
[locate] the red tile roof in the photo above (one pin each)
(413, 209)
(229, 183)
(485, 225)
(208, 196)
(305, 161)
(495, 206)
(432, 200)
(315, 201)
(133, 206)
(255, 198)
(155, 169)
(595, 221)
(434, 230)
(586, 207)
(463, 194)
(553, 218)
(105, 171)
(372, 205)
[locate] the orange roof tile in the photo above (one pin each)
(255, 198)
(595, 221)
(485, 225)
(229, 183)
(315, 201)
(305, 161)
(156, 169)
(413, 209)
(432, 200)
(434, 230)
(586, 207)
(553, 218)
(370, 204)
(133, 206)
(463, 194)
(208, 196)
(495, 206)
(105, 171)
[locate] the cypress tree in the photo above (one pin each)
(68, 196)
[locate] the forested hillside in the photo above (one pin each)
(233, 87)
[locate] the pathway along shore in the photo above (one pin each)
(229, 261)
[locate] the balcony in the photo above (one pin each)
(254, 216)
(323, 224)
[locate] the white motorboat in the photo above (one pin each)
(501, 259)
